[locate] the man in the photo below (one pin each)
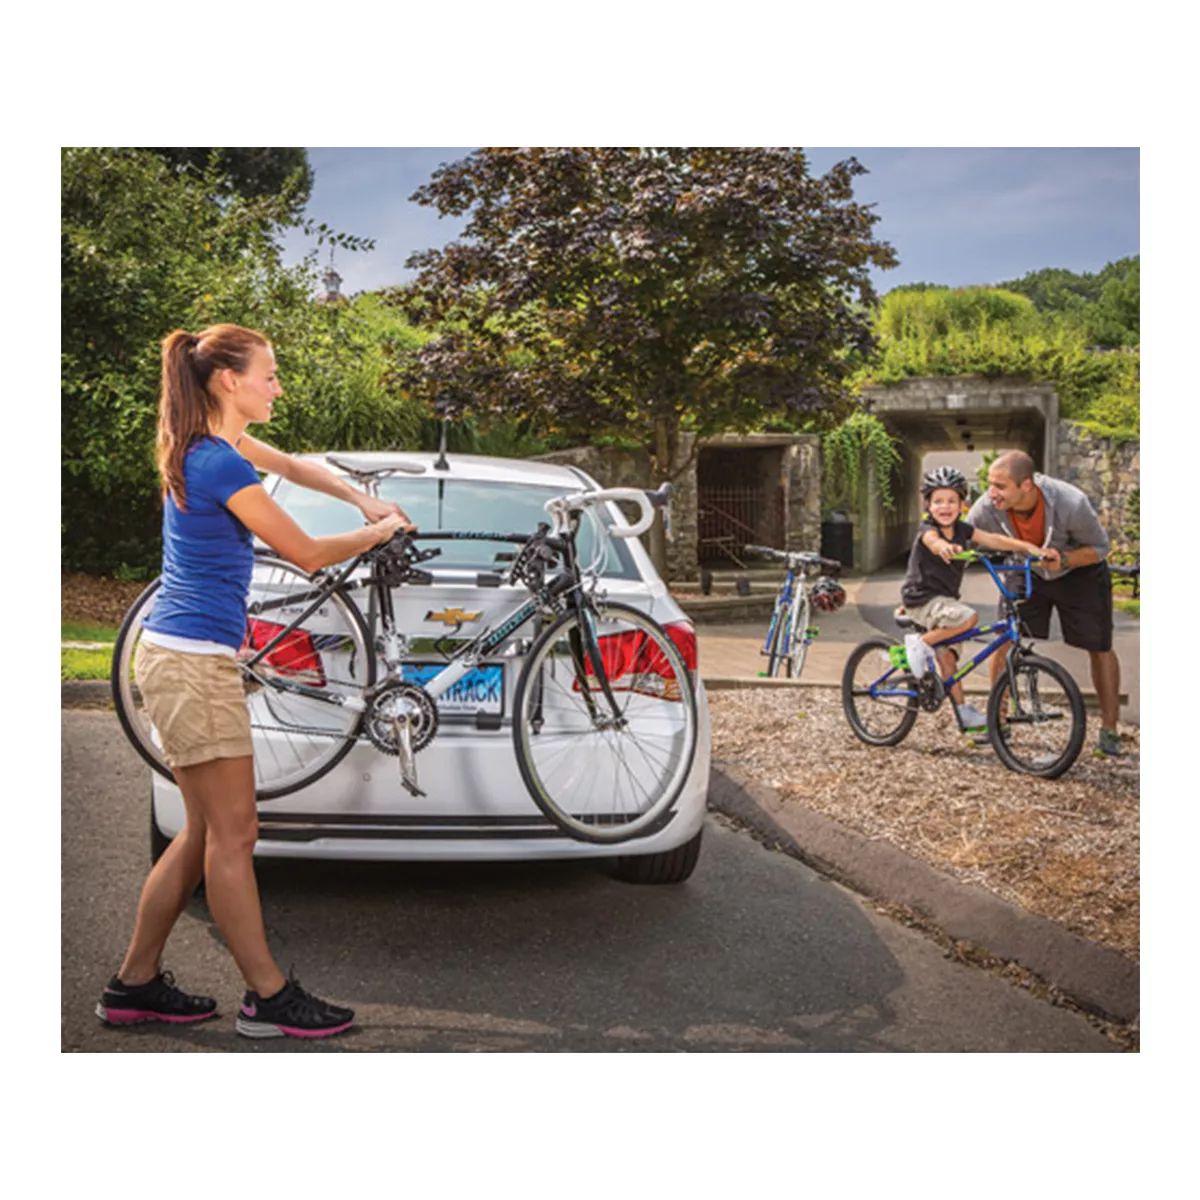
(1072, 578)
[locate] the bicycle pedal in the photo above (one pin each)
(898, 657)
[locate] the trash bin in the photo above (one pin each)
(837, 537)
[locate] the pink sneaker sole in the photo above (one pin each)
(137, 1016)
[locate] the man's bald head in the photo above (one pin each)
(1016, 464)
(1010, 482)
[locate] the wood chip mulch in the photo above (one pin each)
(1066, 849)
(97, 600)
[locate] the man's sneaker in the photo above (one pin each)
(920, 659)
(158, 1000)
(1109, 744)
(291, 1012)
(971, 717)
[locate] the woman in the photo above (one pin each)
(214, 384)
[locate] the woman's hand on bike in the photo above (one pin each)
(387, 527)
(376, 510)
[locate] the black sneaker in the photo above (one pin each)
(158, 1000)
(291, 1012)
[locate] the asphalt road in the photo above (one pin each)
(755, 953)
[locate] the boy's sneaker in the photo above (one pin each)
(158, 1000)
(291, 1012)
(1109, 744)
(971, 717)
(920, 659)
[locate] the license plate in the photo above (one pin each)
(480, 690)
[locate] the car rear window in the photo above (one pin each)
(456, 505)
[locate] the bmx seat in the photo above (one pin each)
(906, 622)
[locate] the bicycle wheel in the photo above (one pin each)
(1039, 730)
(296, 739)
(879, 720)
(600, 777)
(798, 650)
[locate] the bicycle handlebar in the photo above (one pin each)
(800, 557)
(647, 501)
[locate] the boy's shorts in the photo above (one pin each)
(196, 702)
(942, 612)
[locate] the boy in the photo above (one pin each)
(933, 583)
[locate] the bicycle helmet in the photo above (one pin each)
(943, 477)
(827, 594)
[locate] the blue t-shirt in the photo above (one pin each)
(208, 554)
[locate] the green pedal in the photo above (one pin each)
(812, 631)
(898, 656)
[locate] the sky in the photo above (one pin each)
(956, 216)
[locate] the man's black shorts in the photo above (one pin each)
(1083, 599)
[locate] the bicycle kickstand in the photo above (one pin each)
(402, 726)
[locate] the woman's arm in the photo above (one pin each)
(313, 475)
(265, 519)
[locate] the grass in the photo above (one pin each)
(86, 664)
(1132, 607)
(81, 631)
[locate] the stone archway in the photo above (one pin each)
(948, 413)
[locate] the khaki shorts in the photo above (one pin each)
(196, 702)
(942, 612)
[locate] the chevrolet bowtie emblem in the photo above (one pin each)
(452, 616)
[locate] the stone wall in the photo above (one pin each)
(1109, 474)
(802, 471)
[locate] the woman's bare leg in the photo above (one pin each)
(168, 887)
(221, 792)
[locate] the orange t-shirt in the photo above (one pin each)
(1031, 527)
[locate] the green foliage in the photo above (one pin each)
(248, 171)
(981, 472)
(847, 449)
(80, 631)
(147, 248)
(641, 292)
(1104, 306)
(995, 332)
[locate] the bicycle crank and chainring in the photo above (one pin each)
(930, 692)
(396, 700)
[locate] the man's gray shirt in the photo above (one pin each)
(1071, 521)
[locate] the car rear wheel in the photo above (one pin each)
(668, 866)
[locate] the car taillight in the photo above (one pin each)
(633, 663)
(296, 655)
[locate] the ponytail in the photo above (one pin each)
(186, 409)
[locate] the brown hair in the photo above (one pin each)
(185, 406)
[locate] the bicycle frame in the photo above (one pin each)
(1008, 629)
(465, 658)
(783, 608)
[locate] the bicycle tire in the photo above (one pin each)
(272, 711)
(580, 777)
(798, 651)
(883, 721)
(1039, 752)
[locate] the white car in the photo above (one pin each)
(476, 805)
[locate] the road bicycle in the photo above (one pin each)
(791, 630)
(1035, 715)
(604, 710)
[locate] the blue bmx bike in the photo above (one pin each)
(1035, 715)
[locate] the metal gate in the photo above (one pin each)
(730, 515)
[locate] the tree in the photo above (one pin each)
(252, 172)
(146, 249)
(644, 292)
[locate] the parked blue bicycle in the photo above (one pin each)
(1035, 715)
(791, 630)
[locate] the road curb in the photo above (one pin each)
(1095, 977)
(86, 693)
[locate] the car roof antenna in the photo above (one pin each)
(442, 464)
